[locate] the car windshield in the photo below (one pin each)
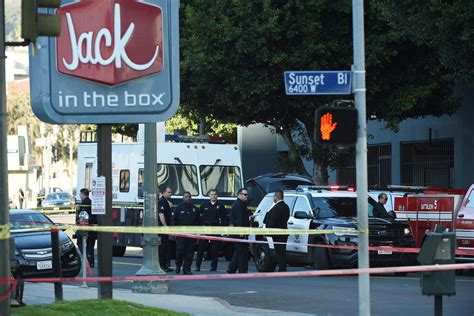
(345, 207)
(58, 196)
(30, 220)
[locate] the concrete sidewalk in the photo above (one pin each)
(43, 293)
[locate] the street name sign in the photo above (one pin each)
(317, 82)
(116, 61)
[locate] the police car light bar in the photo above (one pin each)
(332, 187)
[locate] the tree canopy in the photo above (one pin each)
(234, 53)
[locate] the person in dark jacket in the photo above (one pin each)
(185, 214)
(164, 219)
(278, 218)
(211, 213)
(382, 200)
(240, 217)
(85, 205)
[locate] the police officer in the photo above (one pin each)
(240, 217)
(164, 219)
(85, 205)
(211, 213)
(185, 214)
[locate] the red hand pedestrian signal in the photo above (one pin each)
(327, 126)
(336, 125)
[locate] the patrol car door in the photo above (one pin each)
(297, 242)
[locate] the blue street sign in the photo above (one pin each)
(317, 82)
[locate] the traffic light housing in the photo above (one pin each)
(336, 125)
(34, 24)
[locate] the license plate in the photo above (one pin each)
(43, 265)
(384, 252)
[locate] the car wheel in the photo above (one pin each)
(119, 251)
(264, 260)
(320, 256)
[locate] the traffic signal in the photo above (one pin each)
(336, 125)
(34, 24)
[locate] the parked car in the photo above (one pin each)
(58, 200)
(259, 186)
(42, 194)
(318, 208)
(33, 250)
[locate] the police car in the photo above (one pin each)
(330, 208)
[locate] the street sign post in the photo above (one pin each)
(116, 61)
(318, 82)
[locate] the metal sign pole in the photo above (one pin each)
(361, 154)
(104, 242)
(4, 219)
(84, 259)
(151, 263)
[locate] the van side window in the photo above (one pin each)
(124, 184)
(88, 175)
(301, 205)
(179, 178)
(225, 179)
(141, 175)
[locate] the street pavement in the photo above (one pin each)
(43, 293)
(390, 295)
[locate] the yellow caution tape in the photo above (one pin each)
(203, 230)
(4, 231)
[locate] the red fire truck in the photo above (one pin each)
(454, 209)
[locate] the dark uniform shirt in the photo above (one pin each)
(212, 214)
(239, 215)
(165, 209)
(185, 214)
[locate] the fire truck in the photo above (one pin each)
(454, 209)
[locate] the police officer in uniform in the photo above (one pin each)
(164, 219)
(185, 214)
(211, 213)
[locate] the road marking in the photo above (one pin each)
(415, 279)
(246, 292)
(127, 263)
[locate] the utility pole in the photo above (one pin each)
(361, 154)
(4, 219)
(151, 263)
(104, 240)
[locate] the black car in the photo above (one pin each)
(259, 186)
(324, 209)
(33, 250)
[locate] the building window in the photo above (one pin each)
(124, 180)
(428, 163)
(379, 167)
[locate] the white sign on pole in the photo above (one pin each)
(98, 195)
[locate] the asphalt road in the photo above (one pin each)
(390, 295)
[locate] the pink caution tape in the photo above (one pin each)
(340, 272)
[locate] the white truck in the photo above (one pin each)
(183, 166)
